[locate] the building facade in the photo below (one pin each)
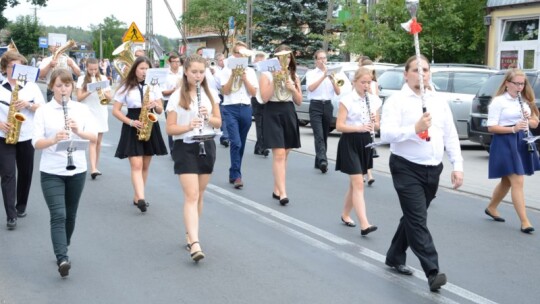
(512, 36)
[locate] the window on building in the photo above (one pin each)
(518, 30)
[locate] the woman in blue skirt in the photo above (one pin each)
(512, 113)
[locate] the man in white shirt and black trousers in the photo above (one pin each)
(416, 165)
(321, 89)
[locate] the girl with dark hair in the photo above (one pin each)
(281, 132)
(131, 94)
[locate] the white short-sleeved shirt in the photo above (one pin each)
(505, 110)
(242, 95)
(133, 98)
(269, 76)
(325, 90)
(358, 109)
(62, 62)
(172, 80)
(30, 92)
(99, 111)
(49, 119)
(184, 117)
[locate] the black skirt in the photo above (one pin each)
(280, 125)
(188, 161)
(352, 155)
(129, 145)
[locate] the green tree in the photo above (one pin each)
(25, 33)
(12, 3)
(199, 17)
(297, 23)
(452, 31)
(112, 29)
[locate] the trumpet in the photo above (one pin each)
(103, 100)
(339, 81)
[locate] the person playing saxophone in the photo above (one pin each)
(17, 163)
(237, 92)
(131, 94)
(97, 103)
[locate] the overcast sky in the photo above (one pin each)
(82, 13)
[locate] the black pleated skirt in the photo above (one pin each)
(352, 155)
(187, 158)
(508, 154)
(129, 145)
(280, 126)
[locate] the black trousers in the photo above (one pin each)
(258, 116)
(416, 186)
(16, 168)
(320, 117)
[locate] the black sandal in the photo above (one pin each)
(197, 255)
(188, 245)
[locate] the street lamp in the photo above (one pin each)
(100, 43)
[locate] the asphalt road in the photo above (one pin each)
(258, 251)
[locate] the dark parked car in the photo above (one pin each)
(479, 108)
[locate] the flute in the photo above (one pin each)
(375, 154)
(530, 147)
(70, 165)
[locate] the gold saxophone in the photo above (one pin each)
(146, 118)
(281, 78)
(103, 100)
(124, 59)
(15, 118)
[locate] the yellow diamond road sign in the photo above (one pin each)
(133, 34)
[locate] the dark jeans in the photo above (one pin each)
(62, 194)
(320, 117)
(258, 116)
(225, 134)
(16, 160)
(238, 121)
(416, 186)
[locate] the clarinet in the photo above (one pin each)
(70, 165)
(375, 154)
(530, 146)
(202, 149)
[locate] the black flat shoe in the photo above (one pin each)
(95, 174)
(283, 201)
(527, 229)
(349, 224)
(368, 230)
(141, 204)
(495, 218)
(401, 269)
(371, 181)
(275, 196)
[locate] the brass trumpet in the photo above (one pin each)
(339, 81)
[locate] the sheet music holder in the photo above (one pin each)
(195, 136)
(234, 63)
(531, 139)
(333, 69)
(73, 144)
(375, 144)
(158, 75)
(56, 39)
(94, 86)
(269, 65)
(208, 53)
(29, 73)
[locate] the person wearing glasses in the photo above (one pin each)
(174, 78)
(321, 89)
(17, 160)
(510, 157)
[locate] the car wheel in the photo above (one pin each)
(486, 147)
(303, 123)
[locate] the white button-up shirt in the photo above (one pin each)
(325, 90)
(505, 110)
(399, 115)
(30, 92)
(49, 119)
(358, 109)
(242, 95)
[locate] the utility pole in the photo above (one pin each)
(100, 43)
(149, 30)
(328, 25)
(249, 23)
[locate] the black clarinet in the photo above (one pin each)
(202, 149)
(375, 154)
(530, 146)
(70, 165)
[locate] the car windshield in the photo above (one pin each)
(469, 83)
(391, 80)
(493, 83)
